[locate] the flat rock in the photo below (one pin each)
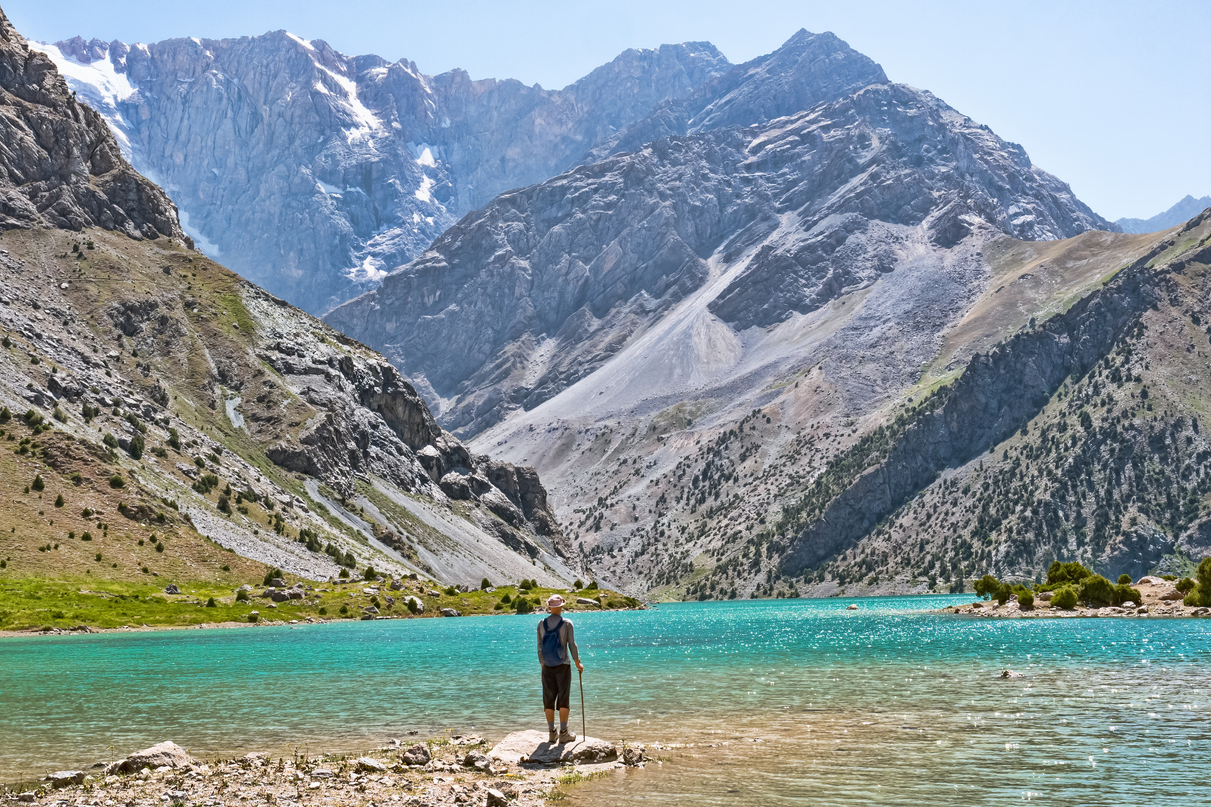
(532, 746)
(65, 778)
(368, 764)
(167, 754)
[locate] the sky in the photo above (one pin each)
(1113, 97)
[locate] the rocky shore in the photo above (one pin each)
(1160, 598)
(522, 770)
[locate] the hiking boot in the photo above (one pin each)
(566, 736)
(552, 736)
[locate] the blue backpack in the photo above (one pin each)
(552, 647)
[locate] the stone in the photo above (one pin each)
(416, 755)
(277, 582)
(166, 754)
(633, 756)
(1171, 594)
(851, 607)
(279, 596)
(1043, 596)
(1143, 609)
(532, 746)
(496, 798)
(586, 601)
(396, 585)
(1011, 674)
(321, 773)
(450, 612)
(171, 588)
(477, 760)
(369, 765)
(1150, 580)
(414, 604)
(65, 778)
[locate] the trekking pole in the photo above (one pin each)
(583, 731)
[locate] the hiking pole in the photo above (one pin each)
(583, 731)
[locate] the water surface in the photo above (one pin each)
(783, 702)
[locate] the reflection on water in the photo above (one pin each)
(784, 702)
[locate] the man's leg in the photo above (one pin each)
(550, 693)
(565, 693)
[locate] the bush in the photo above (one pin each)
(1064, 597)
(1185, 585)
(1125, 580)
(370, 574)
(37, 484)
(1200, 595)
(160, 547)
(241, 596)
(523, 606)
(5, 414)
(988, 586)
(525, 585)
(1026, 599)
(224, 504)
(1096, 591)
(591, 586)
(344, 610)
(483, 584)
(506, 599)
(136, 447)
(253, 617)
(270, 575)
(1059, 574)
(110, 440)
(210, 603)
(323, 611)
(1123, 592)
(174, 439)
(577, 585)
(117, 482)
(413, 608)
(344, 574)
(59, 500)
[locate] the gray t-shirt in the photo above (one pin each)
(567, 639)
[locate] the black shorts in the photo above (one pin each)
(556, 686)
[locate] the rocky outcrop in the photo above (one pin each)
(61, 166)
(314, 173)
(534, 292)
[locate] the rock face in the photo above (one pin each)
(314, 173)
(532, 746)
(208, 387)
(525, 297)
(62, 166)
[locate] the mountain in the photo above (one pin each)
(746, 358)
(161, 400)
(1187, 208)
(313, 173)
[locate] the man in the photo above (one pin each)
(555, 640)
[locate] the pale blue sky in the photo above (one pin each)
(1113, 97)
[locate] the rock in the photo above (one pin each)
(244, 587)
(171, 588)
(586, 601)
(279, 596)
(633, 756)
(166, 754)
(450, 612)
(433, 593)
(65, 778)
(496, 798)
(1171, 594)
(27, 797)
(1129, 604)
(1150, 580)
(532, 746)
(370, 609)
(369, 765)
(851, 608)
(296, 594)
(277, 582)
(1011, 674)
(396, 585)
(1143, 609)
(416, 755)
(1200, 612)
(477, 760)
(321, 773)
(1043, 596)
(414, 604)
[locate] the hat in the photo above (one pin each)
(554, 601)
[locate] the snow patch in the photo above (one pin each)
(208, 248)
(331, 190)
(370, 271)
(424, 154)
(99, 84)
(422, 193)
(364, 120)
(301, 41)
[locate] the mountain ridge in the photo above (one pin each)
(1186, 209)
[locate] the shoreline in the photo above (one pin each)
(458, 769)
(1160, 600)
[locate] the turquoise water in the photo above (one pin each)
(782, 702)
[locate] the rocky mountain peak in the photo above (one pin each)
(63, 167)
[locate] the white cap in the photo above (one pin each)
(554, 601)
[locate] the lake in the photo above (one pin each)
(783, 701)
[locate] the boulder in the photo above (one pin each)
(477, 760)
(65, 778)
(396, 585)
(167, 754)
(586, 601)
(416, 755)
(1150, 580)
(279, 596)
(369, 765)
(496, 798)
(1171, 594)
(277, 582)
(414, 604)
(633, 756)
(1044, 596)
(171, 588)
(851, 608)
(532, 746)
(1011, 674)
(450, 612)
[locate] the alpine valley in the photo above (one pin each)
(780, 328)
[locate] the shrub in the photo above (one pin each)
(1026, 599)
(1185, 585)
(37, 484)
(506, 599)
(523, 606)
(224, 504)
(87, 536)
(344, 610)
(577, 585)
(450, 591)
(117, 482)
(591, 586)
(1096, 591)
(344, 573)
(269, 575)
(225, 567)
(110, 440)
(498, 607)
(241, 596)
(413, 608)
(1124, 579)
(135, 449)
(160, 547)
(5, 414)
(370, 574)
(988, 586)
(483, 584)
(1059, 574)
(253, 617)
(1064, 597)
(524, 585)
(59, 500)
(1123, 592)
(210, 603)
(174, 439)
(1200, 595)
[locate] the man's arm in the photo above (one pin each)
(538, 628)
(572, 647)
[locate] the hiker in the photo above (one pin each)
(555, 639)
